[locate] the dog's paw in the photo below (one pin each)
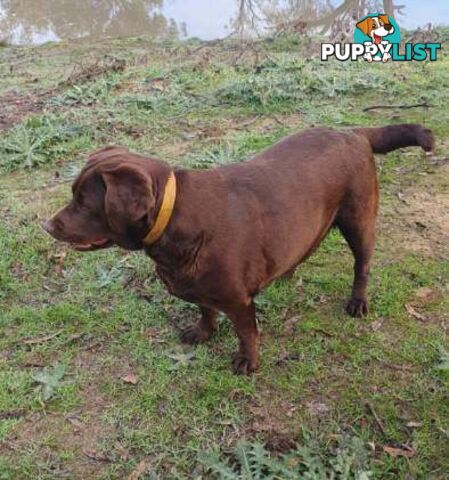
(357, 307)
(193, 335)
(243, 365)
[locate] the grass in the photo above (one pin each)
(335, 397)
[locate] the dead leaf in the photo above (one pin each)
(141, 469)
(97, 456)
(376, 325)
(317, 408)
(33, 364)
(289, 326)
(402, 197)
(5, 354)
(322, 299)
(59, 260)
(322, 332)
(424, 293)
(154, 335)
(260, 427)
(286, 356)
(122, 452)
(130, 378)
(411, 311)
(290, 410)
(400, 452)
(414, 424)
(18, 271)
(75, 421)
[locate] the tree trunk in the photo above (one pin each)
(388, 7)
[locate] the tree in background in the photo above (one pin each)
(307, 15)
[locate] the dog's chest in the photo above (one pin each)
(180, 268)
(180, 283)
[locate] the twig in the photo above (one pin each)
(12, 414)
(277, 120)
(323, 332)
(34, 341)
(248, 123)
(376, 418)
(416, 105)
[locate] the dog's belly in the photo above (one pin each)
(296, 234)
(300, 244)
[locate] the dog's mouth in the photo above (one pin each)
(88, 246)
(377, 38)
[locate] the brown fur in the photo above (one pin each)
(236, 228)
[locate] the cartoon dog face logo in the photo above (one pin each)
(376, 27)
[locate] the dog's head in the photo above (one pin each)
(115, 201)
(376, 27)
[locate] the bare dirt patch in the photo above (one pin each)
(421, 216)
(17, 107)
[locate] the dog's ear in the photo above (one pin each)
(365, 25)
(129, 197)
(385, 19)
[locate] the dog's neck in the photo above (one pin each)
(165, 211)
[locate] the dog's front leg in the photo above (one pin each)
(201, 331)
(246, 360)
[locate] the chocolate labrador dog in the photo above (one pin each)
(219, 236)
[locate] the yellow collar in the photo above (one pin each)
(165, 212)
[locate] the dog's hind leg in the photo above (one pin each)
(201, 331)
(357, 224)
(288, 275)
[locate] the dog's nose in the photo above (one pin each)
(48, 226)
(388, 27)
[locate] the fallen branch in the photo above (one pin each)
(416, 105)
(83, 72)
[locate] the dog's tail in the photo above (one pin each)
(386, 139)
